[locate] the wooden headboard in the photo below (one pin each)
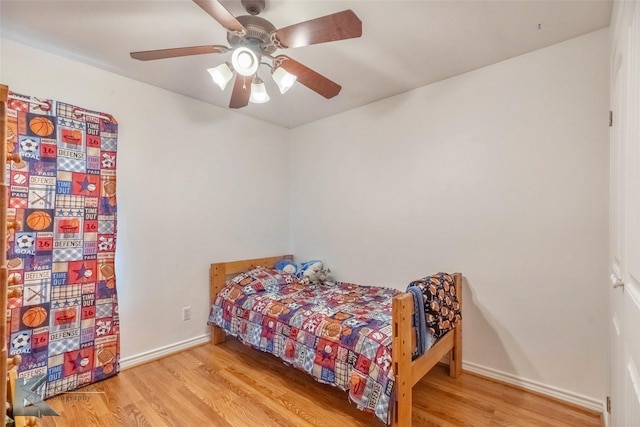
(220, 271)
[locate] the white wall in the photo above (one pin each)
(500, 173)
(196, 184)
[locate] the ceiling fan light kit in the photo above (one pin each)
(253, 39)
(221, 74)
(283, 79)
(245, 62)
(259, 93)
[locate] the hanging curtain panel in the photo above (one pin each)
(62, 305)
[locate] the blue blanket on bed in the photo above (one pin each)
(419, 322)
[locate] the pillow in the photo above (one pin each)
(261, 279)
(286, 266)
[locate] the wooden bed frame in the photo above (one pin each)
(408, 372)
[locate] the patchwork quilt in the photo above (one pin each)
(340, 334)
(62, 308)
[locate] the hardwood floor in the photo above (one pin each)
(233, 385)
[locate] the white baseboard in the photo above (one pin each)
(547, 390)
(148, 356)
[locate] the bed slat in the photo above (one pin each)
(422, 365)
(455, 364)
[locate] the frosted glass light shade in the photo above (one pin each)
(283, 79)
(221, 75)
(259, 93)
(245, 61)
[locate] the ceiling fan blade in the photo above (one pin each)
(337, 26)
(311, 79)
(148, 55)
(241, 92)
(222, 15)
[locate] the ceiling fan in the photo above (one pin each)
(253, 39)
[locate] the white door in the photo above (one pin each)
(625, 218)
(616, 232)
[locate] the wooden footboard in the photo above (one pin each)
(408, 372)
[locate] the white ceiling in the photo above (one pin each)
(405, 44)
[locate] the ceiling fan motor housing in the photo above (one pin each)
(257, 37)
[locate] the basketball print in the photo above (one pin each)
(38, 220)
(34, 317)
(41, 126)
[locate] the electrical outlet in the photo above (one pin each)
(186, 313)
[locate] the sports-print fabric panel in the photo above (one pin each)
(62, 306)
(340, 334)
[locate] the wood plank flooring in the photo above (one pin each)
(231, 385)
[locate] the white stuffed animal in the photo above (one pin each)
(314, 272)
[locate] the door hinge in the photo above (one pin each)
(609, 404)
(610, 118)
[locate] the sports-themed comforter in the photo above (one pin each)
(340, 334)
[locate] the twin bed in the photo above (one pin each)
(361, 339)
